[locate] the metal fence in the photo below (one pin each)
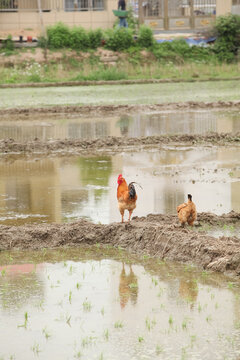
(179, 8)
(49, 5)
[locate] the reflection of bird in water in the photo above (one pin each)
(188, 290)
(128, 287)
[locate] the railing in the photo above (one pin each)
(49, 5)
(179, 8)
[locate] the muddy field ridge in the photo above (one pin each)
(157, 235)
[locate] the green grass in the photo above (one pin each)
(92, 69)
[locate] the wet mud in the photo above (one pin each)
(114, 144)
(159, 236)
(117, 109)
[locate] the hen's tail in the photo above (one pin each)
(132, 191)
(190, 197)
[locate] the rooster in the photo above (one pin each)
(187, 212)
(127, 197)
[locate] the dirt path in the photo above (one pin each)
(155, 235)
(58, 110)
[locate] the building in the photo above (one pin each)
(159, 14)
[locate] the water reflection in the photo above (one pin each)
(64, 189)
(63, 280)
(128, 287)
(20, 285)
(188, 290)
(171, 122)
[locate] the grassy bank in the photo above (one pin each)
(29, 66)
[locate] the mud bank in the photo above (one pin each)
(156, 235)
(116, 109)
(111, 82)
(114, 144)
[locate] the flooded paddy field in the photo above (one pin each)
(74, 293)
(101, 303)
(62, 189)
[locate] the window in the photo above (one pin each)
(8, 5)
(84, 5)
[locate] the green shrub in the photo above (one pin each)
(227, 30)
(58, 36)
(119, 39)
(178, 51)
(132, 21)
(43, 42)
(8, 44)
(95, 38)
(145, 37)
(78, 39)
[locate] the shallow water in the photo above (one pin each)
(170, 122)
(103, 304)
(64, 189)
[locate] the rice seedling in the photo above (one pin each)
(70, 270)
(184, 324)
(101, 356)
(25, 321)
(118, 324)
(77, 355)
(88, 340)
(208, 318)
(193, 339)
(78, 285)
(159, 349)
(230, 285)
(87, 306)
(140, 339)
(183, 353)
(106, 334)
(204, 273)
(70, 297)
(216, 306)
(133, 285)
(154, 281)
(102, 311)
(46, 333)
(3, 272)
(148, 324)
(36, 349)
(170, 320)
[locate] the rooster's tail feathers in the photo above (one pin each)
(132, 191)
